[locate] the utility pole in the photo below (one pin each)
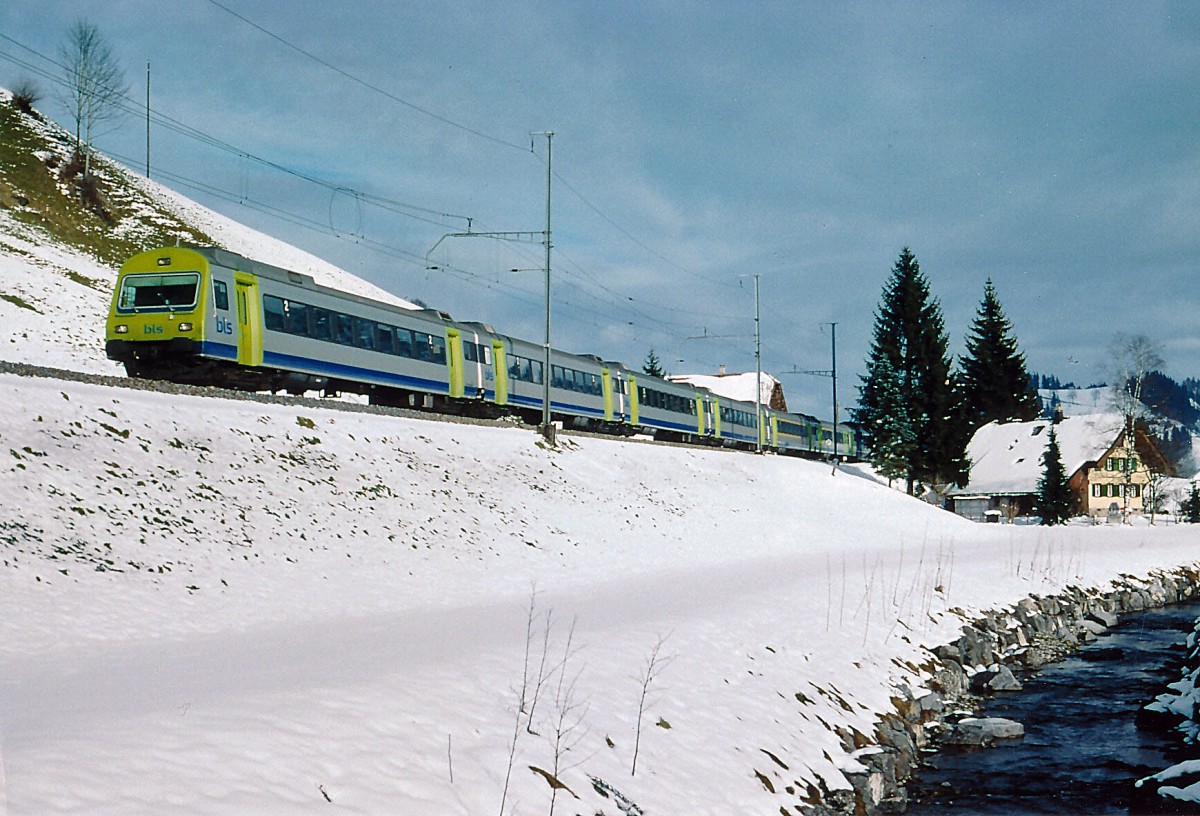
(547, 428)
(758, 413)
(147, 119)
(833, 374)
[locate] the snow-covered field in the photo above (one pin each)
(212, 606)
(215, 606)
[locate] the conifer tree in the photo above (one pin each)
(1190, 507)
(993, 382)
(1054, 491)
(893, 435)
(905, 401)
(653, 366)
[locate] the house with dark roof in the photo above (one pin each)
(1108, 469)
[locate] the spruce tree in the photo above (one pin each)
(652, 366)
(893, 435)
(994, 385)
(1190, 507)
(905, 401)
(1054, 490)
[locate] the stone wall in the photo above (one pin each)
(1035, 631)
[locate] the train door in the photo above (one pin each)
(606, 388)
(701, 420)
(633, 400)
(249, 317)
(500, 372)
(454, 359)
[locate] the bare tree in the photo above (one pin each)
(567, 720)
(656, 664)
(26, 94)
(1133, 358)
(94, 81)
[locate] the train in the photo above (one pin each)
(208, 316)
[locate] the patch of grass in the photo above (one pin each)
(102, 216)
(83, 280)
(18, 302)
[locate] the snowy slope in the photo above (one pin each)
(213, 606)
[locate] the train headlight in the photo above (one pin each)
(121, 328)
(185, 326)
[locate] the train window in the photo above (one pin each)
(404, 342)
(321, 323)
(522, 369)
(297, 318)
(383, 339)
(221, 295)
(556, 376)
(158, 292)
(273, 317)
(470, 352)
(344, 329)
(421, 349)
(364, 333)
(485, 354)
(438, 349)
(581, 382)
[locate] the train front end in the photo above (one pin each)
(157, 320)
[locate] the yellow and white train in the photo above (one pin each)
(203, 315)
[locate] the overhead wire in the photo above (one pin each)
(400, 208)
(365, 84)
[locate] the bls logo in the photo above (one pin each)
(149, 328)
(224, 326)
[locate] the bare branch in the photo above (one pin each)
(656, 664)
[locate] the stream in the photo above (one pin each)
(1082, 749)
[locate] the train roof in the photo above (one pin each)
(232, 260)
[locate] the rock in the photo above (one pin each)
(1100, 616)
(1004, 680)
(984, 731)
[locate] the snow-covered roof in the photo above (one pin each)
(1007, 457)
(733, 386)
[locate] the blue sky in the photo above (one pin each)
(1052, 147)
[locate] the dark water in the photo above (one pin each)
(1082, 749)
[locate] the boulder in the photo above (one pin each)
(983, 731)
(1004, 680)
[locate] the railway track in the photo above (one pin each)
(324, 403)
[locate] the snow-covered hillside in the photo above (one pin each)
(220, 606)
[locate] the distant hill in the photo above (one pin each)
(60, 249)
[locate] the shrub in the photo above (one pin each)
(26, 94)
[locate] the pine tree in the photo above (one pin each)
(905, 401)
(1054, 491)
(994, 385)
(893, 435)
(652, 366)
(1190, 507)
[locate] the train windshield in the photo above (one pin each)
(157, 293)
